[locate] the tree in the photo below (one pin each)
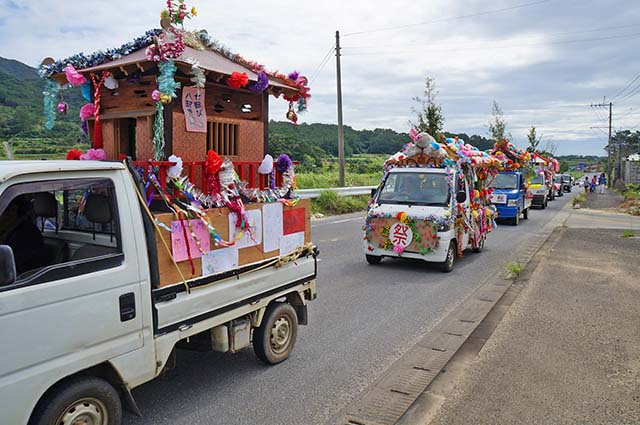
(497, 125)
(533, 139)
(429, 113)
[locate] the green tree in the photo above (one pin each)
(430, 118)
(533, 139)
(497, 125)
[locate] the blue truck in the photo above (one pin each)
(510, 196)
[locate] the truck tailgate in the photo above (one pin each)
(222, 295)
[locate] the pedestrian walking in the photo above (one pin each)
(594, 182)
(586, 184)
(602, 181)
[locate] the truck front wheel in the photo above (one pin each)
(274, 339)
(373, 259)
(525, 213)
(447, 265)
(86, 400)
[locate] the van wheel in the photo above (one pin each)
(516, 220)
(274, 339)
(373, 259)
(447, 265)
(81, 401)
(546, 202)
(525, 214)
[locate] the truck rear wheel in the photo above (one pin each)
(274, 339)
(88, 400)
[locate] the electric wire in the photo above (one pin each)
(626, 87)
(324, 61)
(454, 18)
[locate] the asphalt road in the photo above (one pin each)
(365, 317)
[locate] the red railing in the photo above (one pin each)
(247, 171)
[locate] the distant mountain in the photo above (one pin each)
(18, 70)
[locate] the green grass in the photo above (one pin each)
(515, 269)
(628, 234)
(326, 179)
(579, 199)
(329, 203)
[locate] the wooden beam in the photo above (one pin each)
(124, 71)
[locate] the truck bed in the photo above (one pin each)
(175, 308)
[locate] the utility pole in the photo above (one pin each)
(609, 156)
(340, 127)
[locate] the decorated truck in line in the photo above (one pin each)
(544, 178)
(511, 194)
(97, 290)
(431, 203)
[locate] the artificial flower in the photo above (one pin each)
(74, 154)
(87, 111)
(94, 155)
(73, 76)
(213, 163)
(237, 80)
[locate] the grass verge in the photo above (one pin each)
(515, 269)
(631, 204)
(329, 203)
(628, 234)
(580, 198)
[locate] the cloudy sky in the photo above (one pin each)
(544, 62)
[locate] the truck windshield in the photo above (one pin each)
(505, 181)
(538, 179)
(415, 189)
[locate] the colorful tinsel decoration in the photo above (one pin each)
(50, 95)
(166, 82)
(158, 133)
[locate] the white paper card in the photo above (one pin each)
(271, 226)
(249, 238)
(289, 243)
(219, 261)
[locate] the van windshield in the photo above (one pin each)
(415, 189)
(505, 181)
(538, 179)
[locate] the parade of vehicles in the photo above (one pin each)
(431, 204)
(102, 315)
(566, 182)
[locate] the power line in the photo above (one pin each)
(556, 34)
(626, 87)
(324, 61)
(479, 47)
(630, 94)
(454, 18)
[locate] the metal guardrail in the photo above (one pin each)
(341, 191)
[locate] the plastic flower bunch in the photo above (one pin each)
(177, 12)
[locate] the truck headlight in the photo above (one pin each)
(444, 227)
(512, 203)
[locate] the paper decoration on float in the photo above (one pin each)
(294, 221)
(252, 237)
(220, 261)
(179, 248)
(289, 243)
(272, 225)
(195, 114)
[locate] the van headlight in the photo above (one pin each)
(512, 203)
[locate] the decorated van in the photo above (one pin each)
(431, 203)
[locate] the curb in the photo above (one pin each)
(396, 391)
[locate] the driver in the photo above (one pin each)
(410, 187)
(437, 191)
(18, 231)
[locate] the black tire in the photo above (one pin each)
(89, 398)
(373, 259)
(525, 214)
(516, 220)
(447, 265)
(544, 204)
(273, 341)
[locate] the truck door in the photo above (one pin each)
(76, 300)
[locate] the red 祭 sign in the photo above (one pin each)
(193, 107)
(293, 221)
(400, 234)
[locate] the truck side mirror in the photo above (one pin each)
(461, 196)
(7, 265)
(374, 191)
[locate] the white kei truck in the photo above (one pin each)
(82, 331)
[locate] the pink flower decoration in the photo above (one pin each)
(94, 155)
(87, 111)
(73, 76)
(155, 95)
(398, 249)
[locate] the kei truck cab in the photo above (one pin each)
(431, 203)
(98, 287)
(511, 196)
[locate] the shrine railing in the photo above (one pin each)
(195, 170)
